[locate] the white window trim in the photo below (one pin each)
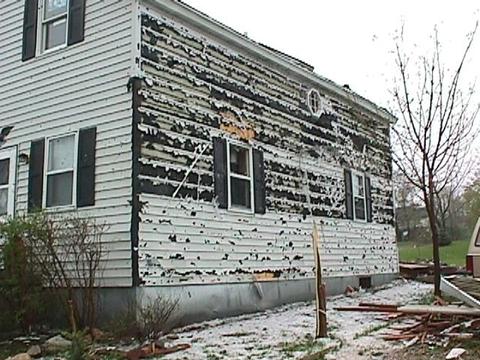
(354, 188)
(41, 32)
(11, 154)
(46, 173)
(320, 103)
(239, 176)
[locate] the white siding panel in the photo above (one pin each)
(72, 88)
(197, 86)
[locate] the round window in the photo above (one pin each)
(314, 102)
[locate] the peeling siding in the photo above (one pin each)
(71, 88)
(193, 89)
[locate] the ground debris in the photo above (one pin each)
(433, 324)
(153, 350)
(455, 353)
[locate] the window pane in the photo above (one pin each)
(59, 189)
(239, 163)
(359, 208)
(3, 201)
(4, 171)
(359, 185)
(54, 8)
(240, 192)
(56, 33)
(60, 153)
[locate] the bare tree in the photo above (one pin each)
(69, 255)
(436, 126)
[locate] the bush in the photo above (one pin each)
(57, 252)
(79, 348)
(21, 292)
(146, 320)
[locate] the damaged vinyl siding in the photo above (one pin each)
(195, 89)
(77, 87)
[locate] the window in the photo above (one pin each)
(54, 23)
(60, 171)
(240, 180)
(314, 102)
(50, 24)
(4, 176)
(359, 196)
(7, 181)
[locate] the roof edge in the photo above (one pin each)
(216, 28)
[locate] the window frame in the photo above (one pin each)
(46, 173)
(10, 153)
(314, 92)
(231, 174)
(42, 26)
(354, 188)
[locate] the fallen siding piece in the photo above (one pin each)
(450, 289)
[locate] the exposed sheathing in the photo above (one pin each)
(195, 89)
(69, 89)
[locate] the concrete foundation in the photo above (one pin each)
(208, 301)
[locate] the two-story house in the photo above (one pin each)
(207, 154)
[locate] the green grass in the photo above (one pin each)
(453, 254)
(307, 345)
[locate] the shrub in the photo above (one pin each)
(57, 252)
(21, 292)
(79, 348)
(145, 321)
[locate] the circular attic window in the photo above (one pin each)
(314, 102)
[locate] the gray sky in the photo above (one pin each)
(351, 42)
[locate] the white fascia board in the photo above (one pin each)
(212, 27)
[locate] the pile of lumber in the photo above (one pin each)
(425, 322)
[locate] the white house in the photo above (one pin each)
(207, 154)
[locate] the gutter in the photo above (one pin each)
(216, 29)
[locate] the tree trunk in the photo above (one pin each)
(429, 199)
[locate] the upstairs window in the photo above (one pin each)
(359, 196)
(54, 24)
(240, 177)
(50, 24)
(60, 174)
(314, 102)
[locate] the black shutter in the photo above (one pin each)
(348, 193)
(220, 170)
(368, 198)
(87, 140)
(259, 181)
(35, 175)
(76, 21)
(30, 15)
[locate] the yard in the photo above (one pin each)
(286, 333)
(453, 254)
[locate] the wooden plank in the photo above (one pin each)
(417, 310)
(321, 311)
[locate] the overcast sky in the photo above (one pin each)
(351, 42)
